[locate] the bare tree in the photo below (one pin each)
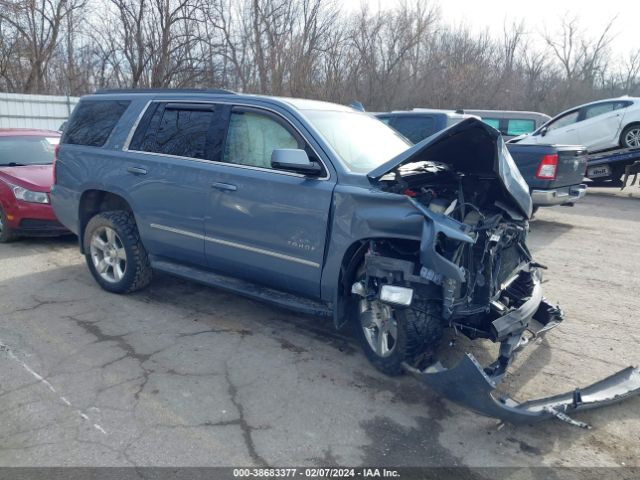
(401, 56)
(38, 24)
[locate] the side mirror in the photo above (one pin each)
(294, 160)
(543, 131)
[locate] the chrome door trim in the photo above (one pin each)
(240, 246)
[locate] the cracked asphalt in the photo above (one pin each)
(184, 375)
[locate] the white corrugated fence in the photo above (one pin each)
(19, 110)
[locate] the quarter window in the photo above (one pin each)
(177, 129)
(252, 137)
(93, 121)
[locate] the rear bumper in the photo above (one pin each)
(558, 196)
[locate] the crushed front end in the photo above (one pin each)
(473, 260)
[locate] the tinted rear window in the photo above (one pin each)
(517, 127)
(177, 129)
(492, 122)
(414, 128)
(92, 122)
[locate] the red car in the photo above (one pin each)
(26, 176)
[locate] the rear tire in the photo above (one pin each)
(6, 233)
(630, 136)
(114, 252)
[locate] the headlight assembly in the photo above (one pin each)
(30, 196)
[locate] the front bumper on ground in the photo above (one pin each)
(558, 196)
(468, 385)
(472, 386)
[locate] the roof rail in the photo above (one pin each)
(218, 91)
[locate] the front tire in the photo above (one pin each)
(6, 233)
(114, 252)
(391, 335)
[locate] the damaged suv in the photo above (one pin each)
(323, 209)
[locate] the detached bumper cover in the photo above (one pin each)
(558, 196)
(468, 385)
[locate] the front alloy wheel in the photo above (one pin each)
(108, 254)
(379, 327)
(392, 335)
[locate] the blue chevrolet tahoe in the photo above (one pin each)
(315, 207)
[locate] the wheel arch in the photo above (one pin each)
(635, 123)
(96, 200)
(351, 260)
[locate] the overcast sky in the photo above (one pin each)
(540, 14)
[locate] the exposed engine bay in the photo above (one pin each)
(485, 270)
(471, 271)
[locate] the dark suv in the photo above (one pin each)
(312, 206)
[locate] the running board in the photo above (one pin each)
(244, 288)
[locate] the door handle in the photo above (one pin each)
(137, 170)
(224, 186)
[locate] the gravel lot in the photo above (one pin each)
(181, 374)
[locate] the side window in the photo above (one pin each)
(413, 127)
(619, 105)
(252, 136)
(93, 121)
(568, 119)
(595, 110)
(180, 129)
(517, 126)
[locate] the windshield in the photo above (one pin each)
(361, 141)
(27, 150)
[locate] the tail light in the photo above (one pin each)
(548, 167)
(55, 160)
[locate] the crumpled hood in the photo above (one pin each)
(38, 178)
(471, 147)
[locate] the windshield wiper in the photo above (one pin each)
(13, 164)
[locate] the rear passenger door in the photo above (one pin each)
(600, 125)
(268, 226)
(168, 164)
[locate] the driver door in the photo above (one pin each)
(563, 130)
(265, 225)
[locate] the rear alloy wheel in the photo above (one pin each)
(108, 254)
(630, 137)
(6, 234)
(114, 253)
